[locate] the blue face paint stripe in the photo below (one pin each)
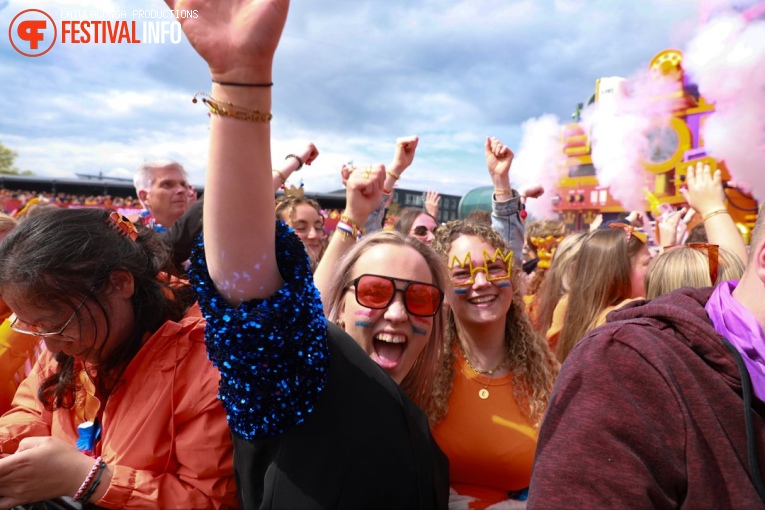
(460, 291)
(502, 285)
(418, 331)
(363, 324)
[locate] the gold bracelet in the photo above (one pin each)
(357, 231)
(500, 191)
(395, 177)
(281, 175)
(231, 110)
(714, 213)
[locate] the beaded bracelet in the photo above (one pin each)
(714, 213)
(95, 484)
(299, 160)
(231, 110)
(84, 487)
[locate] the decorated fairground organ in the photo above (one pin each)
(673, 144)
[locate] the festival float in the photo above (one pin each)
(673, 142)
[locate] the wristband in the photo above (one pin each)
(88, 480)
(298, 158)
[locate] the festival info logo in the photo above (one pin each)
(33, 32)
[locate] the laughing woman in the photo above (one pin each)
(315, 422)
(495, 380)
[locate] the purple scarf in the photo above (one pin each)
(737, 324)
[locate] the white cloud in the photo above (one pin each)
(349, 76)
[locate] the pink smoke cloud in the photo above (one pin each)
(538, 160)
(618, 125)
(727, 61)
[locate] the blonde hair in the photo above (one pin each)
(418, 383)
(7, 223)
(532, 365)
(684, 266)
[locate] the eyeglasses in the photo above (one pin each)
(377, 292)
(422, 231)
(713, 256)
(631, 231)
(44, 334)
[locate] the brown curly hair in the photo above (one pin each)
(532, 365)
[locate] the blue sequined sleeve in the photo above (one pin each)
(272, 353)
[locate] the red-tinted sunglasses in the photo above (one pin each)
(713, 256)
(377, 292)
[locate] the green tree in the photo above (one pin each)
(7, 159)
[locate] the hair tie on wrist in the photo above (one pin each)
(298, 158)
(237, 84)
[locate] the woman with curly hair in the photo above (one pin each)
(497, 374)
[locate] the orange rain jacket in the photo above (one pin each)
(164, 431)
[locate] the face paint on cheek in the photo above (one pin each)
(503, 285)
(418, 331)
(421, 320)
(363, 324)
(364, 313)
(460, 292)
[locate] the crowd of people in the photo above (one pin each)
(227, 352)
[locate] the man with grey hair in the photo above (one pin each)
(162, 188)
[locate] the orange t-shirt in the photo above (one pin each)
(489, 443)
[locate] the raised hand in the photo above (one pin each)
(237, 38)
(671, 227)
(345, 172)
(363, 191)
(499, 158)
(309, 154)
(432, 203)
(531, 190)
(704, 190)
(404, 155)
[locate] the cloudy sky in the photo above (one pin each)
(349, 76)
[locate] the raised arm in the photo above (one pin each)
(705, 194)
(293, 163)
(402, 159)
(362, 194)
(238, 43)
(506, 202)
